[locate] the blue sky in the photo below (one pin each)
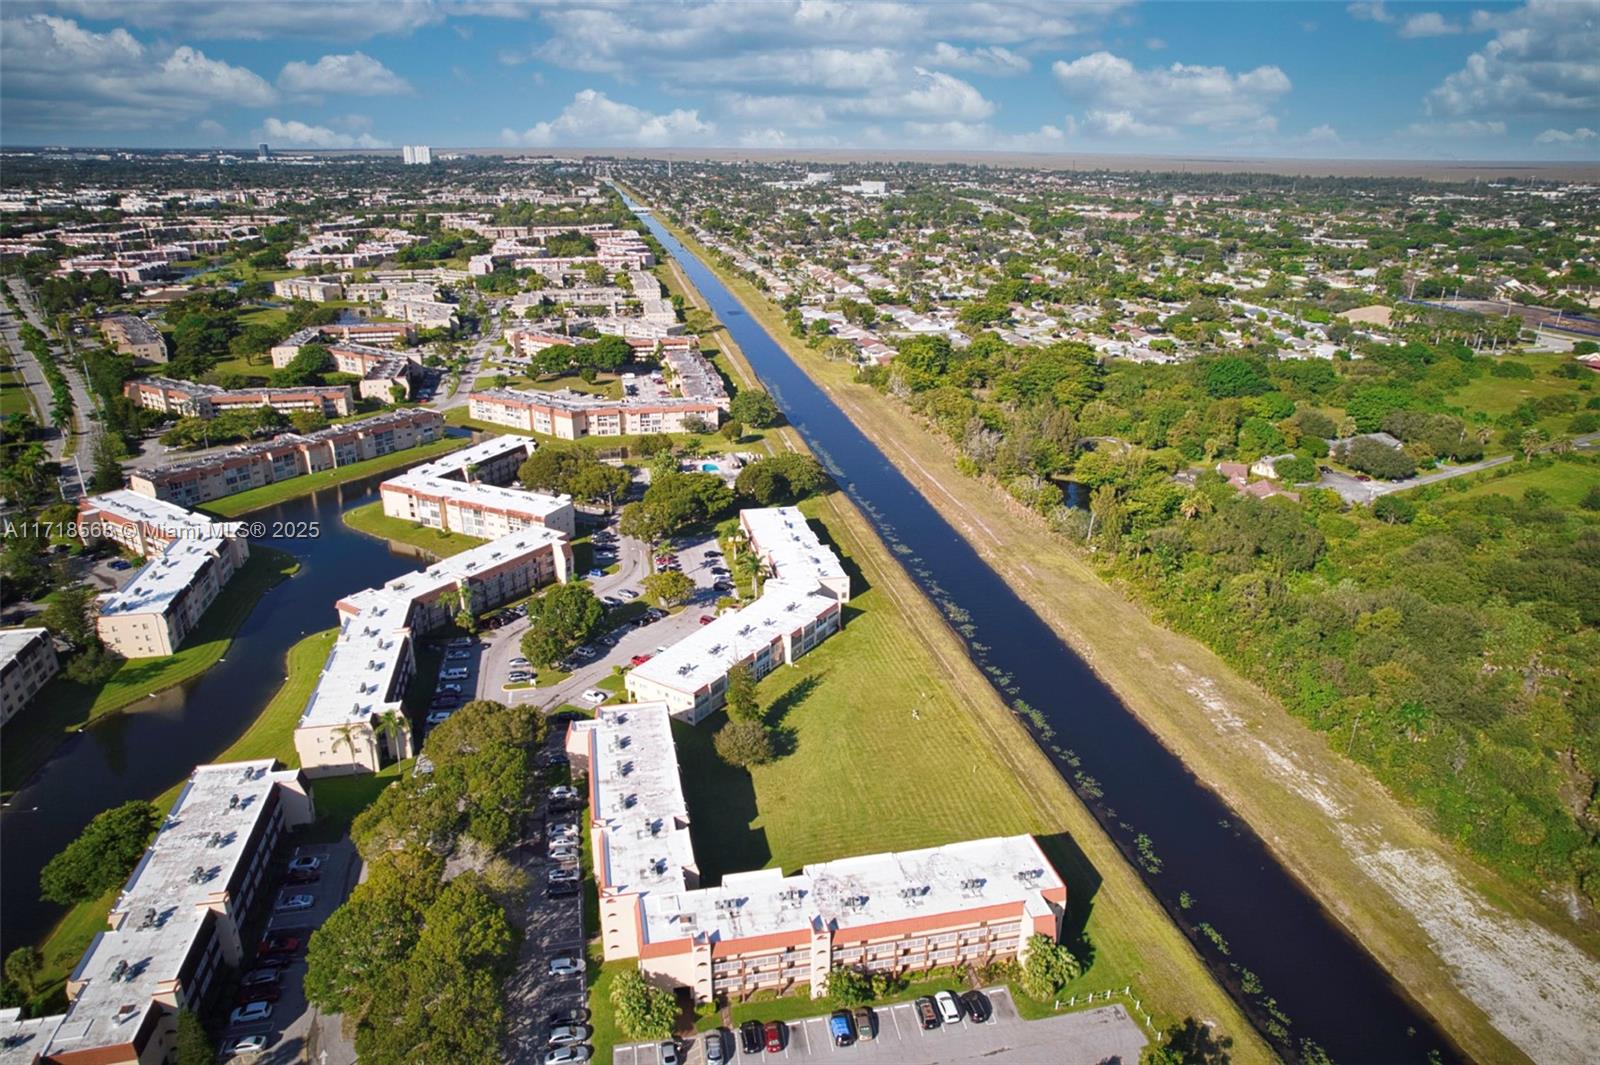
(1369, 79)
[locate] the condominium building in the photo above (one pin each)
(286, 456)
(691, 676)
(192, 399)
(132, 335)
(790, 550)
(380, 369)
(465, 492)
(286, 349)
(144, 525)
(315, 289)
(569, 415)
(176, 931)
(27, 661)
(975, 902)
(354, 719)
(416, 154)
(153, 613)
(428, 313)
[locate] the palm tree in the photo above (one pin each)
(390, 726)
(345, 736)
(749, 565)
(1195, 504)
(1532, 443)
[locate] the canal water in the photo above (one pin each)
(1328, 987)
(140, 753)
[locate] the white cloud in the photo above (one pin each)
(1155, 44)
(1121, 100)
(356, 74)
(296, 134)
(980, 135)
(59, 74)
(787, 111)
(1373, 11)
(1430, 24)
(1463, 128)
(1324, 134)
(262, 19)
(1544, 58)
(985, 59)
(933, 94)
(212, 128)
(1561, 136)
(593, 118)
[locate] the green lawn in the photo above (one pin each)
(1496, 396)
(606, 384)
(14, 398)
(258, 371)
(371, 520)
(271, 735)
(267, 495)
(65, 705)
(1566, 482)
(272, 317)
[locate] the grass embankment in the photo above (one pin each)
(267, 495)
(440, 543)
(65, 705)
(1565, 482)
(271, 735)
(862, 775)
(1324, 817)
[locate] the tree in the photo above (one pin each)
(741, 694)
(754, 408)
(194, 1045)
(22, 968)
(669, 587)
(306, 368)
(560, 620)
(1189, 1043)
(643, 1011)
(1049, 968)
(308, 421)
(1233, 376)
(102, 856)
(732, 431)
(67, 615)
(107, 476)
(849, 987)
(1378, 459)
(743, 743)
(750, 567)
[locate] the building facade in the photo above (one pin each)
(467, 491)
(572, 415)
(132, 335)
(190, 399)
(27, 661)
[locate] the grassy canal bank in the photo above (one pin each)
(1423, 908)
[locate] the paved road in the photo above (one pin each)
(1090, 1037)
(1354, 490)
(475, 358)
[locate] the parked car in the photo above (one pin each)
(640, 660)
(594, 574)
(455, 673)
(272, 961)
(564, 793)
(566, 853)
(567, 1055)
(566, 1035)
(566, 965)
(864, 1024)
(628, 593)
(257, 977)
(564, 830)
(439, 717)
(305, 861)
(249, 1044)
(303, 876)
(750, 1040)
(976, 1003)
(561, 889)
(572, 1015)
(713, 1045)
(519, 661)
(949, 1007)
(842, 1027)
(458, 656)
(251, 1013)
(706, 619)
(611, 601)
(773, 1033)
(927, 1013)
(595, 696)
(450, 687)
(259, 993)
(279, 945)
(296, 902)
(519, 678)
(564, 876)
(667, 1053)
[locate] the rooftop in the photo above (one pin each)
(168, 520)
(14, 641)
(791, 546)
(708, 652)
(163, 578)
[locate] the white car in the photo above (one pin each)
(564, 853)
(566, 965)
(595, 696)
(567, 1055)
(564, 793)
(305, 864)
(949, 1008)
(250, 1044)
(568, 1035)
(250, 1013)
(520, 661)
(297, 902)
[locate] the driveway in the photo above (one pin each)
(1089, 1037)
(1355, 490)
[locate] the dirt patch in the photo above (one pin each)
(1376, 314)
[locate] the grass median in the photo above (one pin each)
(64, 706)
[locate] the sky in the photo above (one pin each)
(1372, 79)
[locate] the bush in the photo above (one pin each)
(643, 1011)
(743, 743)
(1049, 968)
(1379, 460)
(102, 856)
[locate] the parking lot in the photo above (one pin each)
(1107, 1034)
(293, 1030)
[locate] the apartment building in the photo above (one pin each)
(194, 400)
(132, 335)
(691, 676)
(174, 934)
(286, 456)
(974, 902)
(569, 415)
(790, 550)
(315, 289)
(467, 491)
(428, 313)
(154, 612)
(354, 719)
(355, 333)
(27, 662)
(144, 525)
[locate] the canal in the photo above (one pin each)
(1329, 989)
(142, 752)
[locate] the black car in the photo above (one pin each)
(977, 1006)
(562, 889)
(751, 1039)
(575, 1015)
(928, 1013)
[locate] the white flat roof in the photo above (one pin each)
(185, 871)
(445, 478)
(375, 622)
(456, 462)
(173, 520)
(163, 578)
(641, 821)
(791, 545)
(709, 651)
(853, 892)
(14, 641)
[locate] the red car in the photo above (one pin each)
(640, 660)
(279, 945)
(706, 619)
(260, 993)
(774, 1033)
